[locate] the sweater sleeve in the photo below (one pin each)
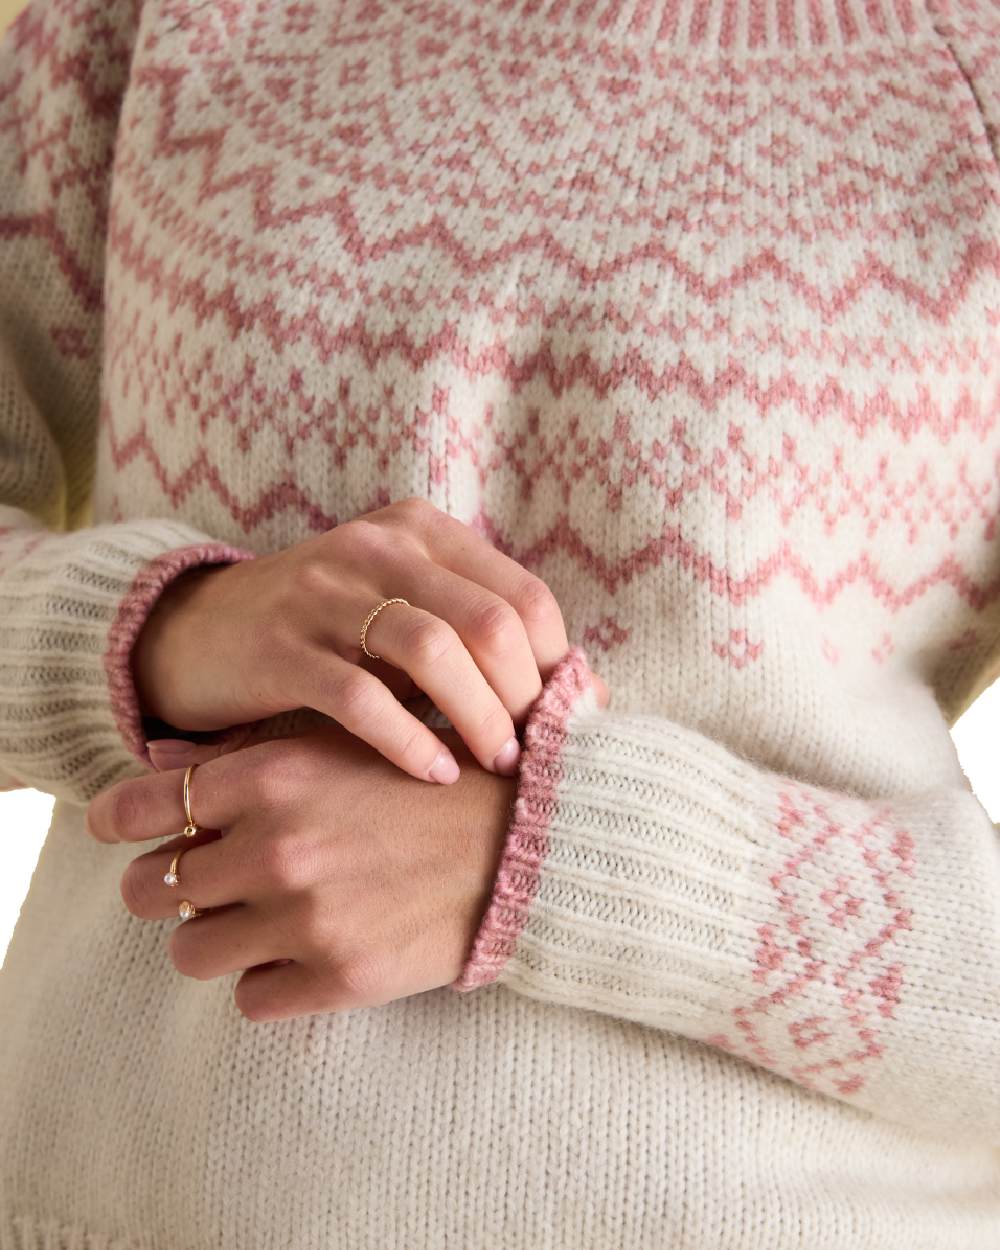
(73, 596)
(849, 945)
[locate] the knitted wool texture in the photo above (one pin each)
(692, 307)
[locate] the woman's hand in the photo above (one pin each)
(235, 643)
(371, 884)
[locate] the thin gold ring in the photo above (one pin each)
(172, 876)
(191, 828)
(185, 909)
(368, 620)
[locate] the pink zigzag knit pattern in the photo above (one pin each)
(692, 307)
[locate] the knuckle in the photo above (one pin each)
(414, 509)
(429, 639)
(355, 696)
(270, 786)
(495, 724)
(416, 518)
(284, 755)
(284, 861)
(405, 528)
(494, 625)
(360, 978)
(534, 601)
(363, 537)
(310, 576)
(279, 772)
(414, 752)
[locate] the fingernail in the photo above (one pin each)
(445, 768)
(170, 747)
(506, 758)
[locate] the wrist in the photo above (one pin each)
(158, 664)
(136, 607)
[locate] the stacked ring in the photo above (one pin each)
(191, 828)
(186, 909)
(368, 620)
(171, 876)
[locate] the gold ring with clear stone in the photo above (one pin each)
(191, 828)
(187, 909)
(172, 876)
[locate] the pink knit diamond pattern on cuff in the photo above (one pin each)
(849, 868)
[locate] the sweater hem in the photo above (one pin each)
(32, 1232)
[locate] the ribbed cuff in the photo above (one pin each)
(133, 610)
(526, 844)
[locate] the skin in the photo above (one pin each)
(234, 643)
(328, 873)
(317, 851)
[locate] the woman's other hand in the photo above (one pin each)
(337, 881)
(229, 644)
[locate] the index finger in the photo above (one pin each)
(139, 808)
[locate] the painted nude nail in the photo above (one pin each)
(445, 768)
(506, 758)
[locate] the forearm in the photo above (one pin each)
(848, 945)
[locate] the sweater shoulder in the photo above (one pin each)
(971, 31)
(78, 47)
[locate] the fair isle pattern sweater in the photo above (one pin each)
(692, 307)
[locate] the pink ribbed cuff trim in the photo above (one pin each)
(526, 844)
(147, 586)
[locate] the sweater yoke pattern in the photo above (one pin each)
(690, 306)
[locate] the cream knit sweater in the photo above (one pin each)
(693, 307)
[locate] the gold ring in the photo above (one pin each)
(191, 828)
(172, 876)
(187, 909)
(368, 620)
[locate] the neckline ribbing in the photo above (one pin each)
(707, 26)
